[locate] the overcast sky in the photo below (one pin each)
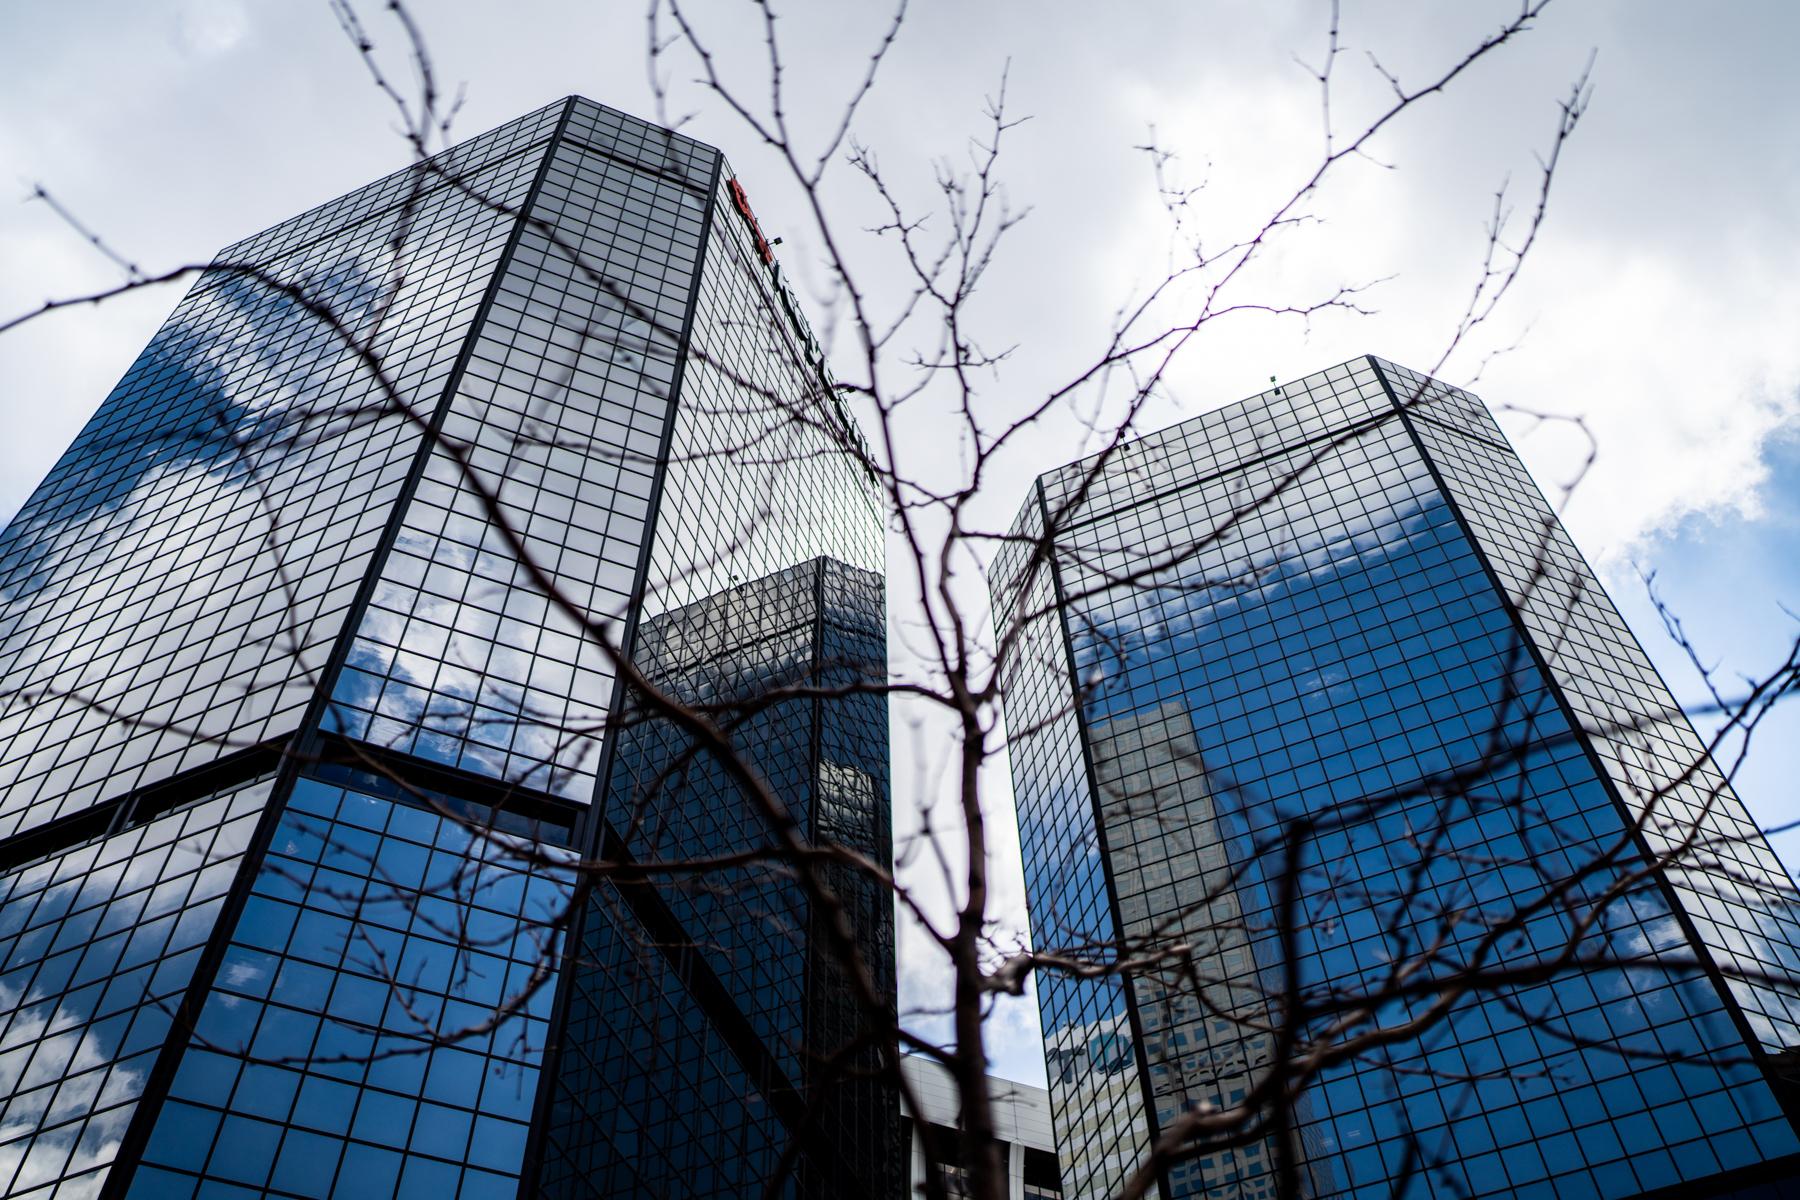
(1661, 303)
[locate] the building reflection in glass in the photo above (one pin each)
(741, 948)
(295, 749)
(1339, 619)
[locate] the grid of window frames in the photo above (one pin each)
(851, 808)
(1736, 893)
(1211, 1044)
(97, 944)
(819, 623)
(1095, 1088)
(749, 926)
(762, 472)
(758, 485)
(1340, 650)
(373, 920)
(652, 1100)
(670, 804)
(463, 657)
(318, 1066)
(189, 562)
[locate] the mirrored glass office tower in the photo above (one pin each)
(305, 710)
(1316, 688)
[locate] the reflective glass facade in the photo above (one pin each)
(101, 939)
(1344, 602)
(750, 954)
(266, 583)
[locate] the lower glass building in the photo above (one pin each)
(737, 993)
(303, 722)
(1317, 696)
(1021, 1124)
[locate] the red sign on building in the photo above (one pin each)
(742, 202)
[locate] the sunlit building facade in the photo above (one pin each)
(306, 706)
(1021, 1125)
(1312, 686)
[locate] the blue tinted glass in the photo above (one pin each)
(350, 1081)
(81, 1020)
(1344, 601)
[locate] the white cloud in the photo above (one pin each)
(1682, 378)
(210, 27)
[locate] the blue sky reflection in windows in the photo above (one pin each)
(252, 548)
(1250, 651)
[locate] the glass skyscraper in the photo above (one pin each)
(1317, 687)
(295, 750)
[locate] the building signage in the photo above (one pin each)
(742, 202)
